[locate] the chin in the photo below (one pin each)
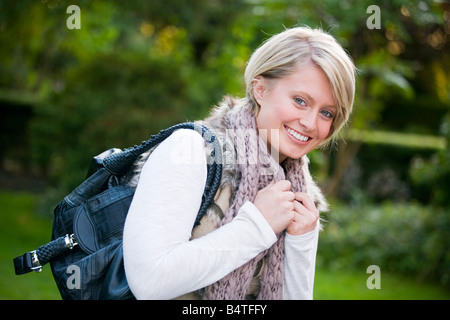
(293, 155)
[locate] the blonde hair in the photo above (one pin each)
(281, 54)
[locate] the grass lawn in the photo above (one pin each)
(351, 285)
(22, 230)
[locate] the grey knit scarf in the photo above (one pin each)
(256, 169)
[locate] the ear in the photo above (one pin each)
(259, 88)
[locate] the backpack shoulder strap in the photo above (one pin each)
(119, 163)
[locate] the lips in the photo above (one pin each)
(297, 135)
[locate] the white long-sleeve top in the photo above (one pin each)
(160, 260)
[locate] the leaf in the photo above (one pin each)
(395, 79)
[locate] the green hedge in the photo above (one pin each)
(405, 238)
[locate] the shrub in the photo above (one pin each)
(405, 238)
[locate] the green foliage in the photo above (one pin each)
(405, 238)
(135, 67)
(109, 102)
(432, 175)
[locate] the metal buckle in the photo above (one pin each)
(36, 265)
(70, 241)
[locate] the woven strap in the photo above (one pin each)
(119, 163)
(34, 260)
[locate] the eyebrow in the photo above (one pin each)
(308, 97)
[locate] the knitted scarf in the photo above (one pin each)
(256, 169)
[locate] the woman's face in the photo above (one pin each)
(297, 111)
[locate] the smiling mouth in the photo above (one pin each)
(297, 135)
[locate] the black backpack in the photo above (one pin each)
(85, 253)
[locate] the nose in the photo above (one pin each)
(308, 120)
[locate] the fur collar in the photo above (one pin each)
(218, 122)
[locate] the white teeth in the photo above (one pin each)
(297, 135)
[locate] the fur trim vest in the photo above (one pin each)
(262, 277)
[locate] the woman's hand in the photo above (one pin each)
(276, 204)
(305, 217)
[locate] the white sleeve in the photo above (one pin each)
(299, 265)
(160, 261)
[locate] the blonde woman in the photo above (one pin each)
(259, 239)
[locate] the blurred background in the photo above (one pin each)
(135, 67)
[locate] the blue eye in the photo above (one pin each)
(300, 101)
(327, 114)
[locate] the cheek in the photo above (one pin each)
(324, 128)
(282, 113)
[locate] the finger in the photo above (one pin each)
(289, 195)
(306, 201)
(299, 208)
(292, 206)
(282, 185)
(296, 215)
(302, 210)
